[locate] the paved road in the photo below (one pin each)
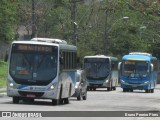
(100, 100)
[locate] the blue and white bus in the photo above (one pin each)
(42, 68)
(138, 71)
(102, 72)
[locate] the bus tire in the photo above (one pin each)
(124, 90)
(147, 91)
(152, 90)
(66, 100)
(114, 88)
(15, 100)
(109, 88)
(88, 88)
(131, 90)
(31, 100)
(94, 89)
(55, 101)
(59, 100)
(60, 95)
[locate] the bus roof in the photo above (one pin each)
(101, 56)
(34, 43)
(50, 40)
(138, 57)
(63, 46)
(140, 53)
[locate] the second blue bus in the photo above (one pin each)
(102, 72)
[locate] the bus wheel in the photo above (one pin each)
(15, 99)
(109, 88)
(31, 100)
(114, 88)
(88, 88)
(55, 101)
(152, 90)
(66, 100)
(124, 90)
(147, 91)
(60, 100)
(131, 90)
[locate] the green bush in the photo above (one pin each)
(3, 73)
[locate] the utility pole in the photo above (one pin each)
(33, 20)
(73, 19)
(105, 40)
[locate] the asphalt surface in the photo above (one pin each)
(100, 100)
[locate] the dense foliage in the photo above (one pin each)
(112, 27)
(7, 20)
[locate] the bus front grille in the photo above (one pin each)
(25, 93)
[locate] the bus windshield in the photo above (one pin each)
(97, 68)
(33, 65)
(135, 68)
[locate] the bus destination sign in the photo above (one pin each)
(36, 48)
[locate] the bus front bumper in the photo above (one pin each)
(140, 86)
(96, 85)
(11, 92)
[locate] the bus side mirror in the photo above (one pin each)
(78, 60)
(6, 57)
(61, 60)
(119, 65)
(152, 67)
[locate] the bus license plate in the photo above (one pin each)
(30, 95)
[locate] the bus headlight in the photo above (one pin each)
(53, 86)
(122, 81)
(11, 84)
(146, 82)
(107, 81)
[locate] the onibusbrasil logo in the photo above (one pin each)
(21, 114)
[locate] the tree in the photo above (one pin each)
(100, 27)
(7, 20)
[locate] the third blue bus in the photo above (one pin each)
(138, 71)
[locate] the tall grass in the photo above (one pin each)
(3, 73)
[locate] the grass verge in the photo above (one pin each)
(3, 73)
